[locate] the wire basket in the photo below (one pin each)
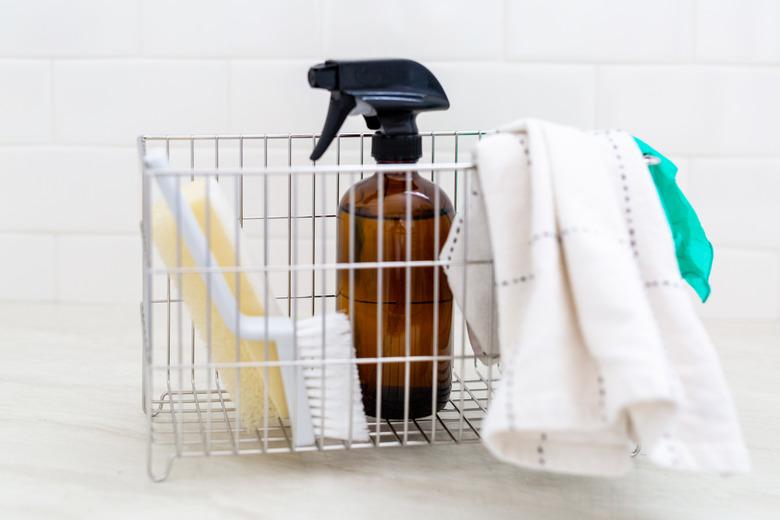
(286, 208)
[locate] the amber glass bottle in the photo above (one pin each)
(402, 317)
(391, 307)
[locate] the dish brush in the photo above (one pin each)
(311, 393)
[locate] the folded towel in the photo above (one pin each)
(600, 345)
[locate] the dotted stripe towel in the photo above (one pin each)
(600, 346)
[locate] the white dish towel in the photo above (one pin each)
(600, 345)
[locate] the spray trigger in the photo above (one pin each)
(372, 122)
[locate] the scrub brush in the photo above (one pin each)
(313, 395)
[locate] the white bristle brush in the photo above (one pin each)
(328, 386)
(320, 397)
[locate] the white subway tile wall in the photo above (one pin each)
(29, 263)
(740, 278)
(231, 28)
(449, 30)
(25, 101)
(109, 101)
(738, 31)
(693, 109)
(98, 268)
(78, 28)
(626, 31)
(738, 200)
(79, 80)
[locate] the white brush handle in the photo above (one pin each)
(280, 329)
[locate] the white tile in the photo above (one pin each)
(599, 30)
(275, 97)
(69, 189)
(277, 256)
(699, 110)
(35, 173)
(431, 30)
(98, 268)
(27, 267)
(737, 200)
(683, 173)
(72, 28)
(202, 28)
(106, 101)
(485, 96)
(738, 30)
(25, 101)
(745, 285)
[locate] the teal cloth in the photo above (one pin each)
(694, 251)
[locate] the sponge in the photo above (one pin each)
(221, 230)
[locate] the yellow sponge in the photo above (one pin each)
(194, 294)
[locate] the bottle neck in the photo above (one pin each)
(399, 175)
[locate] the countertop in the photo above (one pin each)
(73, 446)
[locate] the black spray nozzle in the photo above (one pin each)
(388, 93)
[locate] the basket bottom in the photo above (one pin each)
(420, 400)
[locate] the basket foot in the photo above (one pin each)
(165, 470)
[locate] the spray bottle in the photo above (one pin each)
(397, 311)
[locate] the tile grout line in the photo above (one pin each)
(57, 285)
(596, 97)
(322, 6)
(60, 233)
(508, 60)
(52, 101)
(229, 94)
(117, 146)
(504, 33)
(140, 28)
(694, 36)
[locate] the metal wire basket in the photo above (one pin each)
(287, 209)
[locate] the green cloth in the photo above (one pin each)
(694, 251)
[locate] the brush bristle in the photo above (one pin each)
(335, 398)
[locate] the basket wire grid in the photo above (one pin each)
(286, 208)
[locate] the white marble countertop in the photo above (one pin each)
(73, 446)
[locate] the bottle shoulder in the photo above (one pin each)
(423, 195)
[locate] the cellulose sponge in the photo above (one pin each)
(221, 229)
